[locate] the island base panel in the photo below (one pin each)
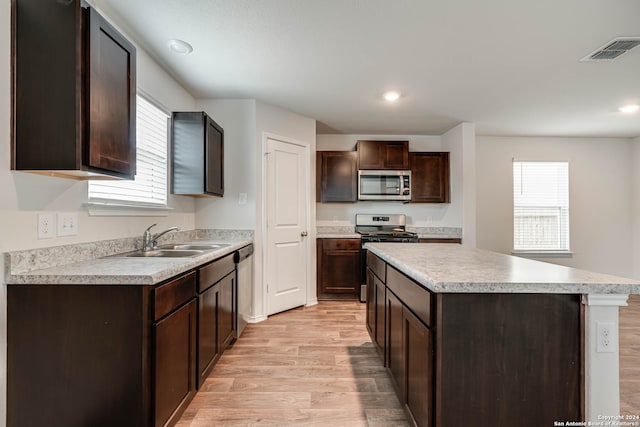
(508, 359)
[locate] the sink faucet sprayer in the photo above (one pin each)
(151, 242)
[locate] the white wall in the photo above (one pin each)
(600, 172)
(461, 143)
(238, 119)
(418, 214)
(23, 195)
(245, 124)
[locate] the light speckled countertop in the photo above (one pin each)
(351, 235)
(454, 268)
(115, 270)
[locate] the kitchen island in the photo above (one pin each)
(472, 337)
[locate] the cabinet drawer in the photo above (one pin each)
(414, 296)
(211, 273)
(440, 240)
(172, 295)
(340, 244)
(377, 265)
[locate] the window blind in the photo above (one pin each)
(150, 185)
(540, 206)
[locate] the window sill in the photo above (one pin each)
(543, 254)
(96, 208)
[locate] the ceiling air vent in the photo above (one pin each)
(613, 49)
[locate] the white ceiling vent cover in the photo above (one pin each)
(613, 49)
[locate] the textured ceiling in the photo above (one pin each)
(509, 66)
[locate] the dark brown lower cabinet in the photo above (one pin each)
(216, 313)
(100, 355)
(506, 357)
(395, 344)
(371, 305)
(460, 359)
(376, 311)
(174, 364)
(226, 313)
(410, 360)
(417, 360)
(338, 268)
(208, 342)
(77, 356)
(440, 240)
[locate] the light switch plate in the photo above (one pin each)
(67, 223)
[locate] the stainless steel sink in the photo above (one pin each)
(195, 246)
(161, 253)
(176, 250)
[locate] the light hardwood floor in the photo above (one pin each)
(316, 366)
(630, 357)
(313, 366)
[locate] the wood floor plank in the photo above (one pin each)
(350, 401)
(313, 366)
(271, 360)
(252, 400)
(307, 385)
(316, 366)
(276, 417)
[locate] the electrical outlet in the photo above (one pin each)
(46, 225)
(242, 199)
(606, 337)
(67, 224)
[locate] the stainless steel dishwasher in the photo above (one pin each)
(244, 282)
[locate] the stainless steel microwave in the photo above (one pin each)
(384, 185)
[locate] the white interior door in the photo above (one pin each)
(287, 246)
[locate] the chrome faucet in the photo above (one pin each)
(150, 242)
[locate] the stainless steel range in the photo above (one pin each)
(380, 228)
(384, 228)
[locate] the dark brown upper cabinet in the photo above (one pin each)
(73, 92)
(391, 155)
(337, 176)
(430, 177)
(197, 155)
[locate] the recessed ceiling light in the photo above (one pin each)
(391, 96)
(631, 108)
(179, 46)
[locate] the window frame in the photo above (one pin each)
(557, 252)
(120, 207)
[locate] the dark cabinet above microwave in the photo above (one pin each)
(197, 155)
(383, 155)
(338, 179)
(74, 92)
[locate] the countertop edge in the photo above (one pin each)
(167, 268)
(511, 288)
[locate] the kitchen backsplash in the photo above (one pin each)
(437, 231)
(349, 229)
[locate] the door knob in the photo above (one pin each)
(304, 234)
